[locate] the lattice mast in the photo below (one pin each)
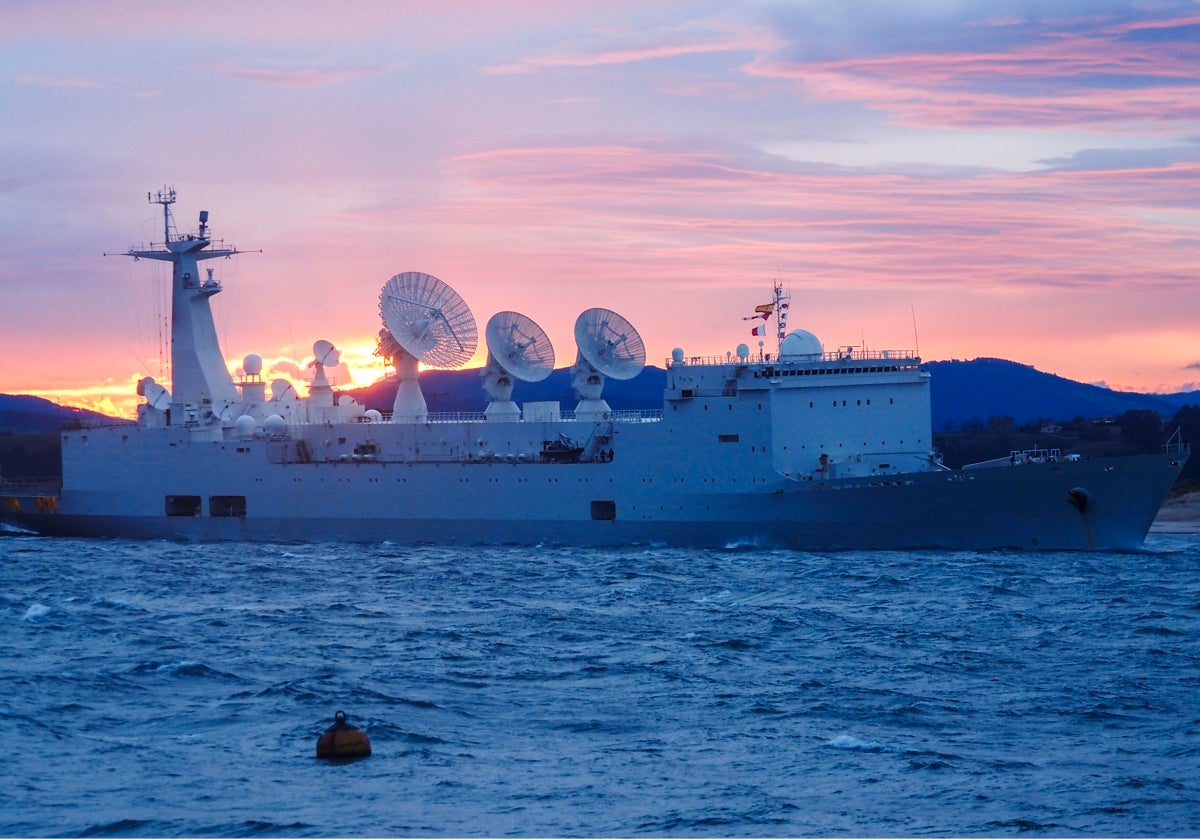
(199, 376)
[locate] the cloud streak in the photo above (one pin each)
(298, 76)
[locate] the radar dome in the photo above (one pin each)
(252, 364)
(245, 425)
(801, 344)
(743, 351)
(373, 415)
(275, 425)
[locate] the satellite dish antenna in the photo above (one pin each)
(517, 349)
(429, 319)
(430, 323)
(157, 397)
(282, 390)
(226, 415)
(609, 346)
(324, 355)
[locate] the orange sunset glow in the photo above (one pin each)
(1008, 179)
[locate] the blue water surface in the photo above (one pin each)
(175, 689)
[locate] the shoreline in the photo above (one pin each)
(1180, 515)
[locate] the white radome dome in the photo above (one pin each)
(275, 425)
(801, 344)
(245, 425)
(252, 364)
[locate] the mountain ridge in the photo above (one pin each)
(961, 392)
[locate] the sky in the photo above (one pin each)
(1016, 179)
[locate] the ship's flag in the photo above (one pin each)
(759, 330)
(763, 315)
(766, 309)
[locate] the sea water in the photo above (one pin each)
(168, 689)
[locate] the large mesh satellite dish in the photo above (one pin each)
(519, 346)
(610, 344)
(428, 319)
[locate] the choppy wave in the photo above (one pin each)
(166, 689)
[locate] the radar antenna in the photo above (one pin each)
(324, 355)
(157, 397)
(429, 323)
(609, 346)
(517, 349)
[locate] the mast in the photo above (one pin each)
(781, 302)
(200, 382)
(777, 307)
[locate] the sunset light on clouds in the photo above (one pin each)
(1010, 179)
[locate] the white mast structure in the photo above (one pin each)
(781, 305)
(199, 378)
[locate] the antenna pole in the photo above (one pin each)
(780, 301)
(165, 197)
(916, 340)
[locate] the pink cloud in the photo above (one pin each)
(1051, 76)
(627, 48)
(300, 76)
(57, 81)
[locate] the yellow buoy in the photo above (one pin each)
(342, 741)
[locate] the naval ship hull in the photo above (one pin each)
(1032, 506)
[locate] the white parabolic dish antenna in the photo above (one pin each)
(519, 346)
(610, 344)
(429, 320)
(157, 396)
(325, 354)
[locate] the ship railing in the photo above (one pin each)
(845, 354)
(454, 417)
(76, 424)
(1175, 444)
(1021, 457)
(644, 415)
(30, 486)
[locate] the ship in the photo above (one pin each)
(796, 448)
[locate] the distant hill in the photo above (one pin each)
(21, 414)
(961, 392)
(975, 391)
